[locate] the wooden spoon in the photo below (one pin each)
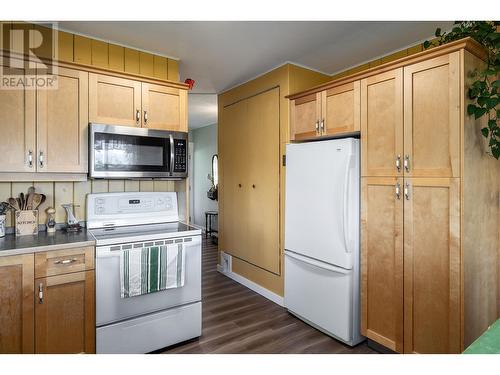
(23, 201)
(14, 205)
(37, 201)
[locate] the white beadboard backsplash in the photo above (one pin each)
(75, 192)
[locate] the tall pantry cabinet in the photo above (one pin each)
(429, 200)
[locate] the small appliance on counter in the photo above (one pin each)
(136, 311)
(322, 236)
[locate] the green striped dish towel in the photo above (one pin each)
(151, 269)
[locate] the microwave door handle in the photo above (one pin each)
(171, 154)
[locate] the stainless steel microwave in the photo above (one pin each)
(127, 152)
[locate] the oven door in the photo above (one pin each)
(125, 152)
(110, 307)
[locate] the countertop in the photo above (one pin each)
(16, 245)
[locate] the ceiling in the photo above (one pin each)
(220, 55)
(202, 110)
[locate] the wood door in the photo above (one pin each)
(164, 108)
(17, 126)
(263, 170)
(382, 261)
(382, 124)
(16, 304)
(234, 186)
(340, 109)
(432, 308)
(62, 124)
(304, 117)
(65, 316)
(432, 117)
(114, 100)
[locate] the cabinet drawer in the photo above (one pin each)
(59, 262)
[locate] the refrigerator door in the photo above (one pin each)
(322, 200)
(321, 294)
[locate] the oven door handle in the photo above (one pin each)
(172, 154)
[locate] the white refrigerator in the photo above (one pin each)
(322, 236)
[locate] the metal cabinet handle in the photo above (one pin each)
(398, 163)
(322, 126)
(30, 158)
(137, 117)
(407, 191)
(172, 154)
(398, 190)
(40, 293)
(40, 159)
(66, 261)
(317, 126)
(145, 118)
(407, 163)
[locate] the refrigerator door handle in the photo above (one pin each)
(346, 193)
(317, 263)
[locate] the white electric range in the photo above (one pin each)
(141, 324)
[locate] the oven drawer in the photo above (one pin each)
(150, 332)
(110, 307)
(60, 262)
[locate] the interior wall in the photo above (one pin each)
(205, 146)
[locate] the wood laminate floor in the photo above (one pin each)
(238, 320)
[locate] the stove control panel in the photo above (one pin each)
(132, 208)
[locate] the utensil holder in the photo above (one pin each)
(2, 225)
(26, 222)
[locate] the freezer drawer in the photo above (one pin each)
(150, 332)
(320, 293)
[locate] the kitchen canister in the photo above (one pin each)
(26, 222)
(2, 225)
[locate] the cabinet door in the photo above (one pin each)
(382, 261)
(263, 172)
(382, 124)
(62, 123)
(17, 126)
(233, 155)
(164, 108)
(432, 117)
(115, 101)
(340, 109)
(304, 117)
(16, 304)
(65, 315)
(432, 309)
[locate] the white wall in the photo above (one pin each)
(205, 146)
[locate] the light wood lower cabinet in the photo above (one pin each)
(65, 313)
(16, 304)
(382, 261)
(432, 265)
(47, 302)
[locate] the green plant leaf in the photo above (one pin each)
(438, 32)
(485, 132)
(427, 44)
(471, 109)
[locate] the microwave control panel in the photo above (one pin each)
(180, 155)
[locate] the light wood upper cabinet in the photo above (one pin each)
(432, 307)
(382, 124)
(304, 117)
(164, 108)
(17, 126)
(16, 304)
(432, 117)
(114, 100)
(62, 122)
(340, 109)
(65, 315)
(382, 261)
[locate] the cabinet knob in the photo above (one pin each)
(253, 186)
(239, 185)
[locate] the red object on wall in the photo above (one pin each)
(190, 82)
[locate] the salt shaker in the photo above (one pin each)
(51, 221)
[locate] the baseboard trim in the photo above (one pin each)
(277, 299)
